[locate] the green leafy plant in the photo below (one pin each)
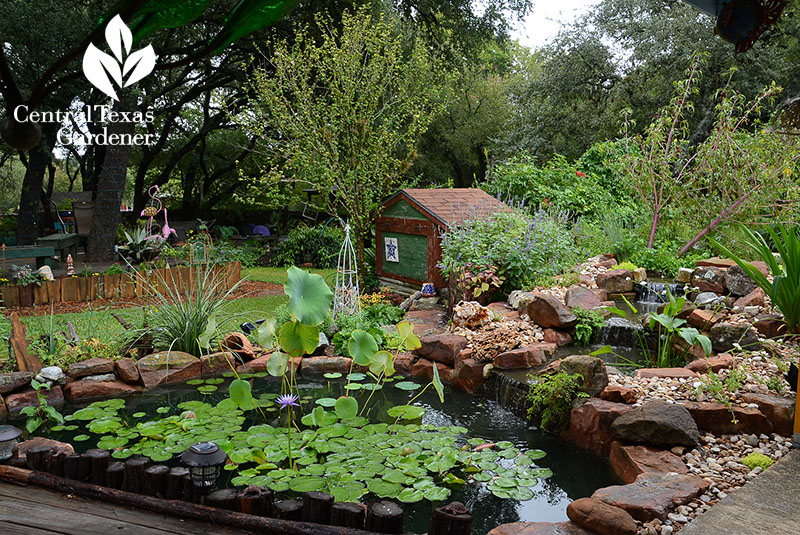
(785, 285)
(42, 412)
(310, 245)
(115, 269)
(139, 245)
(551, 398)
(625, 265)
(755, 459)
(25, 276)
(723, 390)
(589, 322)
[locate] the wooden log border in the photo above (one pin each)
(71, 289)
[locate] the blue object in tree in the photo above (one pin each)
(741, 22)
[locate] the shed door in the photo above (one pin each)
(411, 254)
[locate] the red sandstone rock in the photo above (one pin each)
(94, 366)
(608, 264)
(126, 370)
(523, 357)
(320, 365)
(549, 311)
(218, 363)
(590, 425)
(709, 279)
(628, 462)
(600, 517)
(754, 298)
(580, 296)
(426, 322)
(770, 327)
(664, 373)
(540, 528)
(615, 281)
(618, 394)
(704, 319)
(717, 419)
(560, 338)
(423, 369)
(441, 347)
(778, 410)
(502, 311)
(28, 398)
(714, 364)
(404, 361)
(260, 365)
(83, 390)
(238, 343)
(468, 373)
(59, 447)
(168, 367)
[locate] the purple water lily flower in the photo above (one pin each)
(287, 400)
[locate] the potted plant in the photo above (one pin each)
(26, 279)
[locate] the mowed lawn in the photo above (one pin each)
(98, 322)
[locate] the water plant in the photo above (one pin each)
(551, 397)
(589, 322)
(42, 412)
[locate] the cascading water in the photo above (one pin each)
(619, 332)
(509, 388)
(651, 292)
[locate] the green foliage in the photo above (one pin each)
(755, 459)
(723, 390)
(589, 321)
(625, 265)
(551, 398)
(310, 298)
(663, 257)
(522, 248)
(310, 245)
(25, 276)
(383, 314)
(138, 245)
(785, 286)
(42, 412)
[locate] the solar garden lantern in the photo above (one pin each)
(205, 460)
(8, 441)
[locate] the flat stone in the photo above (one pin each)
(549, 311)
(598, 516)
(590, 425)
(615, 281)
(468, 373)
(704, 319)
(523, 357)
(500, 310)
(27, 398)
(724, 335)
(40, 442)
(738, 281)
(88, 390)
(9, 382)
(94, 366)
(404, 362)
(607, 263)
(657, 423)
(426, 322)
(715, 364)
(754, 298)
(582, 297)
(715, 418)
(716, 261)
(618, 394)
(165, 359)
(218, 363)
(426, 303)
(126, 370)
(665, 373)
(51, 374)
(708, 299)
(540, 528)
(168, 367)
(441, 347)
(320, 365)
(770, 327)
(559, 338)
(653, 494)
(592, 369)
(423, 369)
(709, 279)
(778, 410)
(628, 462)
(103, 377)
(259, 364)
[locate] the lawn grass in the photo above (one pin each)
(276, 275)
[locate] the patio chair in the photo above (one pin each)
(83, 213)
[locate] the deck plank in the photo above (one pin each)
(46, 512)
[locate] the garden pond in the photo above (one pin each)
(431, 457)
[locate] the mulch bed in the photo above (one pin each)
(247, 288)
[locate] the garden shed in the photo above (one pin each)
(409, 229)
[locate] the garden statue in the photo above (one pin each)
(151, 211)
(166, 230)
(346, 296)
(70, 266)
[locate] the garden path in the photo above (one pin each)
(767, 505)
(28, 510)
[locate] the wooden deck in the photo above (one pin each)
(30, 510)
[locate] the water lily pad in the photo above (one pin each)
(326, 402)
(81, 438)
(354, 386)
(278, 486)
(410, 495)
(160, 456)
(544, 473)
(306, 483)
(406, 412)
(346, 407)
(332, 375)
(356, 376)
(407, 385)
(195, 382)
(139, 414)
(162, 410)
(384, 489)
(215, 381)
(207, 389)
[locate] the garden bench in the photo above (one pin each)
(43, 255)
(63, 243)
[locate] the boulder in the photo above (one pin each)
(618, 394)
(259, 364)
(518, 300)
(589, 425)
(724, 335)
(471, 315)
(238, 344)
(615, 281)
(468, 373)
(708, 299)
(684, 275)
(715, 364)
(3, 411)
(40, 442)
(51, 375)
(423, 369)
(524, 357)
(640, 274)
(778, 410)
(628, 462)
(320, 365)
(102, 378)
(28, 398)
(716, 261)
(582, 297)
(754, 298)
(441, 347)
(657, 423)
(770, 327)
(738, 281)
(709, 279)
(540, 528)
(218, 363)
(548, 311)
(95, 366)
(653, 494)
(608, 263)
(404, 361)
(592, 369)
(9, 382)
(665, 373)
(168, 367)
(717, 419)
(703, 319)
(126, 370)
(559, 338)
(603, 519)
(88, 390)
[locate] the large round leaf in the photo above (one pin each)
(346, 408)
(276, 365)
(240, 393)
(298, 339)
(309, 297)
(406, 332)
(361, 347)
(306, 483)
(382, 362)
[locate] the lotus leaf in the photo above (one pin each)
(298, 339)
(309, 297)
(408, 385)
(362, 346)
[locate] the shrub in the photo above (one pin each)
(551, 398)
(756, 459)
(663, 257)
(626, 265)
(310, 245)
(589, 321)
(522, 248)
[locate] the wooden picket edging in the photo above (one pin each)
(124, 286)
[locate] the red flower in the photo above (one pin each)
(579, 174)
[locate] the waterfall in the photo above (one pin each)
(656, 292)
(619, 332)
(509, 390)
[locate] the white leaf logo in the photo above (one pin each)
(102, 69)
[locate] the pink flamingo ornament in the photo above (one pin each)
(166, 230)
(151, 211)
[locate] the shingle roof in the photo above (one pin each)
(456, 205)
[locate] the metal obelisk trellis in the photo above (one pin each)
(346, 295)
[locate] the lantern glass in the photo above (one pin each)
(204, 459)
(8, 441)
(204, 476)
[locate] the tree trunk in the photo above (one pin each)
(38, 159)
(110, 186)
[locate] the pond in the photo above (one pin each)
(557, 473)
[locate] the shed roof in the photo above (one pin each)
(453, 206)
